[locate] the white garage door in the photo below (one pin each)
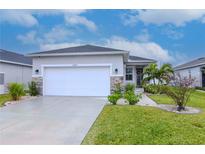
(76, 81)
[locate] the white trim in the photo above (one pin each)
(36, 75)
(76, 65)
(117, 75)
(72, 65)
(4, 61)
(78, 53)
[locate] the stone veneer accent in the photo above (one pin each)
(114, 80)
(39, 82)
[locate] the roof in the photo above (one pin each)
(193, 63)
(78, 49)
(140, 59)
(11, 57)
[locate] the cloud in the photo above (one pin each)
(143, 49)
(28, 18)
(52, 46)
(28, 38)
(160, 17)
(55, 35)
(79, 20)
(19, 17)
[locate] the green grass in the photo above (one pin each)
(197, 99)
(4, 98)
(149, 125)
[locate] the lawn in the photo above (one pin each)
(3, 99)
(149, 125)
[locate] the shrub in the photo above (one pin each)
(200, 88)
(130, 87)
(16, 90)
(114, 98)
(180, 91)
(153, 89)
(33, 90)
(131, 97)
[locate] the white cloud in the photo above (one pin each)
(19, 17)
(57, 33)
(160, 17)
(79, 20)
(143, 49)
(28, 38)
(53, 46)
(28, 18)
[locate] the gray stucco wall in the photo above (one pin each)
(115, 60)
(195, 73)
(15, 73)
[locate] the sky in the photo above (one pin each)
(169, 36)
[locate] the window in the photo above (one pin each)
(1, 78)
(129, 73)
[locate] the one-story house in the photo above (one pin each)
(14, 67)
(85, 70)
(194, 69)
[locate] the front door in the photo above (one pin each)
(139, 77)
(203, 79)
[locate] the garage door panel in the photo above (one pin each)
(79, 81)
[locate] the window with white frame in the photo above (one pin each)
(129, 73)
(1, 78)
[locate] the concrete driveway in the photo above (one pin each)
(49, 120)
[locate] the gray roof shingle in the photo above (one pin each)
(193, 63)
(82, 49)
(14, 57)
(136, 58)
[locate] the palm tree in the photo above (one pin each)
(162, 75)
(150, 73)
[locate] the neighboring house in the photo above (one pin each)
(194, 69)
(85, 70)
(14, 68)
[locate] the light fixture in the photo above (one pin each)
(37, 71)
(116, 70)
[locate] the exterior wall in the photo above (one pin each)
(15, 73)
(116, 62)
(194, 72)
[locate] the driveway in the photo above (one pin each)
(49, 120)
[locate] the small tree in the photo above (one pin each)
(180, 90)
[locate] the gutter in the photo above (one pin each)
(16, 63)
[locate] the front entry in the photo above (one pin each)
(139, 77)
(203, 79)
